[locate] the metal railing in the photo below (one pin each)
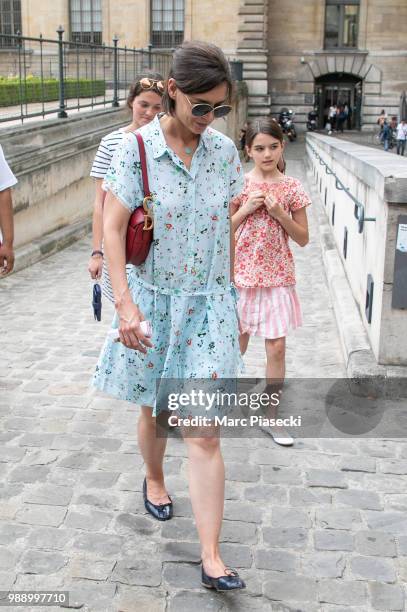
(359, 210)
(40, 76)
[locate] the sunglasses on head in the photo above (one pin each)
(147, 83)
(202, 108)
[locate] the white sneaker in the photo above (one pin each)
(279, 434)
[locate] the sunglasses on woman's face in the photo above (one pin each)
(201, 109)
(147, 83)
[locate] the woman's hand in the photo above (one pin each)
(129, 328)
(273, 208)
(95, 266)
(254, 201)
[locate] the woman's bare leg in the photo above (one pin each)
(206, 475)
(244, 342)
(152, 448)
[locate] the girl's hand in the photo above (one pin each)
(95, 267)
(255, 200)
(129, 328)
(272, 207)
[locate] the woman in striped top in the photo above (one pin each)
(144, 100)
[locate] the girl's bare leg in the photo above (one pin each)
(275, 374)
(152, 448)
(206, 475)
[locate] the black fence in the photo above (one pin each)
(40, 77)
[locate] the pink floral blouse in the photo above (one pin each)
(262, 254)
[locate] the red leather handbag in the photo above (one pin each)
(140, 229)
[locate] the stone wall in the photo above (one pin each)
(378, 180)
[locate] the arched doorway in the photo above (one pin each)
(338, 89)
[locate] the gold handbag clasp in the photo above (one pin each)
(148, 217)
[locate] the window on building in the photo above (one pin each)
(10, 22)
(341, 24)
(167, 23)
(86, 21)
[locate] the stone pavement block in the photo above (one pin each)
(120, 462)
(385, 483)
(68, 442)
(295, 537)
(242, 511)
(77, 461)
(357, 464)
(49, 537)
(8, 558)
(277, 560)
(143, 572)
(238, 532)
(99, 480)
(36, 514)
(182, 575)
(36, 386)
(87, 428)
(392, 466)
(87, 519)
(325, 478)
(7, 580)
(140, 599)
(373, 568)
(270, 494)
(282, 475)
(331, 539)
(389, 522)
(182, 506)
(396, 502)
(365, 500)
(342, 592)
(387, 597)
(323, 564)
(402, 545)
(37, 439)
(236, 555)
(104, 444)
(337, 519)
(242, 473)
(375, 543)
(298, 496)
(290, 587)
(105, 502)
(41, 562)
(48, 494)
(39, 457)
(90, 568)
(11, 532)
(95, 596)
(181, 529)
(181, 551)
(11, 454)
(103, 544)
(185, 601)
(127, 524)
(377, 448)
(287, 517)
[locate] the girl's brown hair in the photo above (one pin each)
(136, 88)
(263, 125)
(198, 67)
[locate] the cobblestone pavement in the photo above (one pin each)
(319, 527)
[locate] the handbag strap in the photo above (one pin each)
(143, 162)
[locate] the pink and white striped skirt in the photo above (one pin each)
(269, 312)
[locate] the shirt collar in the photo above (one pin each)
(154, 133)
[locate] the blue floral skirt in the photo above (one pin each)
(194, 337)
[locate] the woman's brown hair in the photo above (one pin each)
(136, 89)
(198, 67)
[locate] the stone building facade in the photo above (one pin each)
(301, 55)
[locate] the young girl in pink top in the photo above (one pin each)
(270, 210)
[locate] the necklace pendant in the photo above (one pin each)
(188, 150)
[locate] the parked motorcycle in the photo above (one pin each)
(286, 120)
(312, 122)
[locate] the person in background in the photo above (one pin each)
(385, 135)
(380, 122)
(7, 181)
(144, 101)
(401, 137)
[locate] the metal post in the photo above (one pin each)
(150, 58)
(115, 102)
(61, 114)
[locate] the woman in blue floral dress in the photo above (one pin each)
(184, 287)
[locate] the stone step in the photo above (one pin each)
(255, 9)
(249, 75)
(251, 44)
(259, 100)
(250, 27)
(258, 112)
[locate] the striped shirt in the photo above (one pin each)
(100, 166)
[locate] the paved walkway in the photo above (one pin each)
(320, 527)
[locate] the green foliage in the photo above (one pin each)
(33, 90)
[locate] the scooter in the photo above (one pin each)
(312, 122)
(286, 120)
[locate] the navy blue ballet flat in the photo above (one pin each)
(229, 582)
(161, 512)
